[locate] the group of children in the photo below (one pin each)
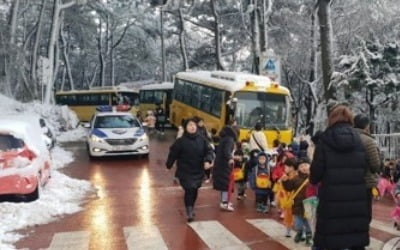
(278, 179)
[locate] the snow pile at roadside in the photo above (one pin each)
(59, 118)
(63, 195)
(78, 134)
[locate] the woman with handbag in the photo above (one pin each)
(193, 154)
(258, 140)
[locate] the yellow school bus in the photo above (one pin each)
(84, 102)
(152, 94)
(220, 96)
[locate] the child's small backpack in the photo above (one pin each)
(262, 180)
(238, 173)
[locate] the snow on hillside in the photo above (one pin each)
(63, 195)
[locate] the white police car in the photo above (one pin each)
(116, 133)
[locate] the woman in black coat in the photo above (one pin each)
(193, 154)
(223, 165)
(339, 167)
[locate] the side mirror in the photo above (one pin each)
(232, 103)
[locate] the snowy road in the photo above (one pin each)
(139, 207)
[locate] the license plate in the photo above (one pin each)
(119, 148)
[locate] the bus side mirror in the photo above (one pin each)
(232, 103)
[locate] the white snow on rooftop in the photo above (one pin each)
(231, 81)
(158, 86)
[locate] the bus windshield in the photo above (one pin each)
(272, 110)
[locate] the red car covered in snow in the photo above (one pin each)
(24, 159)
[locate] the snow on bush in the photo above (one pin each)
(59, 118)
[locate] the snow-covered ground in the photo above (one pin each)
(62, 195)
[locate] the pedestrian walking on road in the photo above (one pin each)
(223, 167)
(202, 130)
(361, 124)
(260, 182)
(339, 165)
(193, 154)
(298, 185)
(161, 119)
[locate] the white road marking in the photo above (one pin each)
(277, 231)
(216, 236)
(146, 237)
(386, 227)
(78, 240)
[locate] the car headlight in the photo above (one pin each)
(142, 137)
(96, 138)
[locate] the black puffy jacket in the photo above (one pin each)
(222, 170)
(190, 151)
(339, 167)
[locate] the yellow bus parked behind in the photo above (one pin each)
(84, 102)
(220, 96)
(152, 94)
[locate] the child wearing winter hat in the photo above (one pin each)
(298, 185)
(260, 182)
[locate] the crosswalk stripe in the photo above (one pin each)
(276, 231)
(392, 244)
(216, 236)
(374, 244)
(384, 227)
(147, 237)
(78, 240)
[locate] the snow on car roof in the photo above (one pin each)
(29, 132)
(231, 81)
(161, 86)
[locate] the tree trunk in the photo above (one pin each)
(112, 61)
(264, 14)
(310, 106)
(38, 38)
(255, 38)
(54, 34)
(182, 42)
(325, 26)
(12, 49)
(101, 55)
(66, 59)
(163, 56)
(64, 74)
(217, 35)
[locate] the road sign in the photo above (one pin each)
(270, 65)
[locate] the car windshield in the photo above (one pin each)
(116, 121)
(9, 142)
(273, 110)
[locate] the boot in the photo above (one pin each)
(298, 236)
(190, 214)
(309, 241)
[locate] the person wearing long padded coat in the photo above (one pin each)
(193, 154)
(339, 168)
(223, 165)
